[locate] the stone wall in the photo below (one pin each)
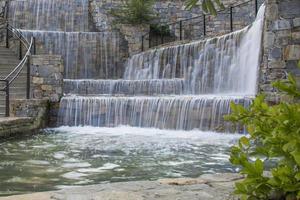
(27, 116)
(170, 12)
(36, 109)
(47, 77)
(281, 47)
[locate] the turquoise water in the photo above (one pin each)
(69, 156)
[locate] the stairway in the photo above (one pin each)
(8, 61)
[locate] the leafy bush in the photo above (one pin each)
(208, 6)
(274, 134)
(163, 30)
(134, 12)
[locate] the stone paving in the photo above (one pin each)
(206, 187)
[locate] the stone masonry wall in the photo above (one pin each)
(170, 12)
(281, 47)
(47, 77)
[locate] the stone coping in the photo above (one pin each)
(16, 126)
(11, 120)
(206, 187)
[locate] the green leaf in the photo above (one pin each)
(259, 166)
(296, 155)
(204, 6)
(211, 7)
(297, 176)
(245, 141)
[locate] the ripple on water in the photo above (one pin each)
(74, 175)
(76, 165)
(91, 155)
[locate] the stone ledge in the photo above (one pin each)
(206, 187)
(12, 126)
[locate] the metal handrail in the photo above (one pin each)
(14, 74)
(203, 15)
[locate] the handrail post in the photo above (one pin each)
(34, 46)
(142, 43)
(231, 19)
(6, 98)
(204, 25)
(180, 29)
(7, 36)
(149, 40)
(256, 7)
(161, 35)
(28, 79)
(6, 9)
(20, 50)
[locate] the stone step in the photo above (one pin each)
(9, 61)
(168, 112)
(9, 56)
(124, 87)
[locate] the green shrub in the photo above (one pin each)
(163, 30)
(134, 12)
(274, 135)
(208, 6)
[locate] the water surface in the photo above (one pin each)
(69, 156)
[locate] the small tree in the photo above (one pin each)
(274, 134)
(134, 12)
(208, 6)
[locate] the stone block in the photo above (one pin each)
(37, 80)
(276, 64)
(47, 87)
(292, 52)
(281, 24)
(289, 8)
(269, 39)
(296, 22)
(275, 54)
(296, 37)
(291, 67)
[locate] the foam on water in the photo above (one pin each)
(123, 131)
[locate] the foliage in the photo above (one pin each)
(163, 30)
(134, 12)
(208, 6)
(274, 134)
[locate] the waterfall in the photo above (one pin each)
(226, 64)
(124, 87)
(178, 112)
(58, 15)
(62, 27)
(86, 54)
(187, 86)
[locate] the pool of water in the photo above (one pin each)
(69, 156)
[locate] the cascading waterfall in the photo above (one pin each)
(62, 27)
(226, 64)
(59, 15)
(207, 74)
(86, 54)
(124, 87)
(178, 112)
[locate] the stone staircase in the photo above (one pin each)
(8, 61)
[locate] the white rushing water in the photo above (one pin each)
(61, 27)
(124, 87)
(225, 64)
(51, 15)
(86, 54)
(180, 87)
(178, 112)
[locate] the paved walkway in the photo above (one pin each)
(206, 187)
